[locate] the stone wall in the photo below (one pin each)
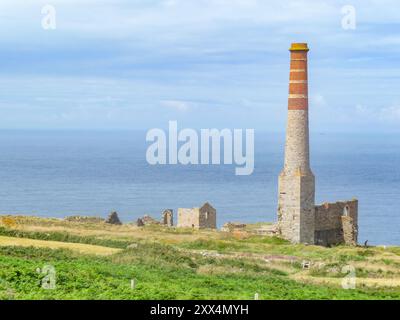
(350, 231)
(336, 223)
(207, 217)
(188, 218)
(296, 206)
(168, 217)
(199, 218)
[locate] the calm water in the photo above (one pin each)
(60, 173)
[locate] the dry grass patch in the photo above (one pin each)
(77, 247)
(337, 282)
(210, 269)
(376, 266)
(127, 232)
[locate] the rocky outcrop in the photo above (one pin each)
(146, 220)
(84, 219)
(233, 226)
(139, 223)
(113, 219)
(267, 230)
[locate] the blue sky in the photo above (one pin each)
(115, 64)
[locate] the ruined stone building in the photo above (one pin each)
(204, 217)
(167, 218)
(299, 219)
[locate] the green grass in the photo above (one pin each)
(171, 263)
(64, 237)
(161, 272)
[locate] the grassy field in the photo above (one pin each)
(93, 260)
(78, 247)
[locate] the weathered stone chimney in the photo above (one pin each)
(296, 182)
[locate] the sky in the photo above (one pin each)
(137, 64)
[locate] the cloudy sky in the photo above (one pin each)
(136, 64)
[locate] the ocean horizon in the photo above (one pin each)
(59, 173)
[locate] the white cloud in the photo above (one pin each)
(183, 55)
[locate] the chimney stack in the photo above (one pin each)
(296, 182)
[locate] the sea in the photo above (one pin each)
(59, 173)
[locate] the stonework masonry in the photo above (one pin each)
(204, 217)
(299, 220)
(336, 223)
(167, 218)
(296, 181)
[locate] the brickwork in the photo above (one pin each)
(299, 220)
(296, 181)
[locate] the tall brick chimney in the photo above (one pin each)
(296, 206)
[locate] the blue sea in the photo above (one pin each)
(61, 173)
